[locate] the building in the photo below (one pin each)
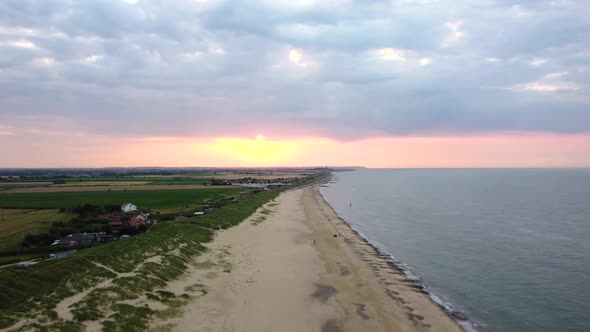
(77, 240)
(128, 207)
(60, 255)
(26, 265)
(117, 225)
(137, 222)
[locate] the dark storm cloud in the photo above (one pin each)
(345, 69)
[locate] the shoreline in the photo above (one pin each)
(295, 266)
(456, 315)
(382, 255)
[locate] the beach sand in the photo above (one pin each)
(289, 273)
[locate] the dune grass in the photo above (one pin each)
(36, 291)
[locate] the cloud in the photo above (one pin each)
(345, 69)
(295, 56)
(21, 43)
(551, 82)
(545, 87)
(455, 32)
(537, 62)
(392, 54)
(425, 61)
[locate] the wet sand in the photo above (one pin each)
(290, 273)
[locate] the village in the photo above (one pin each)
(124, 223)
(128, 221)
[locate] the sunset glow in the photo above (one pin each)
(506, 150)
(257, 152)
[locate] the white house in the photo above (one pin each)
(128, 207)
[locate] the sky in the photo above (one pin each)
(376, 83)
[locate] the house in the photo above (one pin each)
(104, 238)
(199, 213)
(137, 221)
(60, 255)
(117, 225)
(139, 217)
(78, 239)
(25, 265)
(128, 207)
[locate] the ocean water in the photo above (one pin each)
(510, 248)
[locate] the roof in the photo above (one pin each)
(80, 236)
(63, 254)
(126, 204)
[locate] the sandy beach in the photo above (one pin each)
(289, 272)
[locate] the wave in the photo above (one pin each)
(448, 308)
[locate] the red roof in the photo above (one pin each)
(136, 222)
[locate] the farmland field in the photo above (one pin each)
(260, 176)
(71, 183)
(162, 200)
(16, 223)
(104, 188)
(100, 183)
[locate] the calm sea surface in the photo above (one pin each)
(509, 247)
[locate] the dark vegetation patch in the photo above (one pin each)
(331, 325)
(361, 310)
(324, 292)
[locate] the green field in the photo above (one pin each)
(16, 223)
(197, 179)
(82, 181)
(162, 200)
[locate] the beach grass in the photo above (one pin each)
(36, 291)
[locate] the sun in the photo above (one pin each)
(257, 151)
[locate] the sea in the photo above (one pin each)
(508, 248)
